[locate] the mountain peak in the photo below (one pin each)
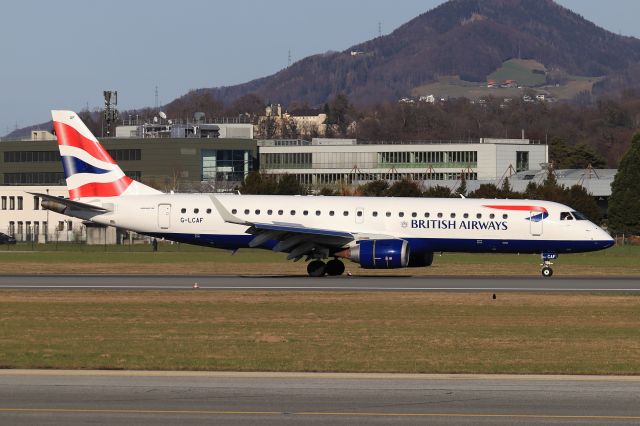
(469, 39)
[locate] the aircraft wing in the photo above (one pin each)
(295, 239)
(60, 204)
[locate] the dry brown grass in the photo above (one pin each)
(316, 331)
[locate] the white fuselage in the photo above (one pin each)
(466, 225)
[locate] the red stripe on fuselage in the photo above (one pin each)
(98, 189)
(69, 136)
(523, 208)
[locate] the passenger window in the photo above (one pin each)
(208, 211)
(305, 212)
(317, 212)
(331, 213)
(427, 214)
(257, 211)
(246, 211)
(479, 216)
(280, 212)
(401, 214)
(466, 215)
(234, 211)
(388, 214)
(453, 215)
(196, 210)
(183, 210)
(293, 212)
(374, 214)
(505, 216)
(345, 213)
(269, 212)
(439, 214)
(414, 214)
(359, 213)
(491, 216)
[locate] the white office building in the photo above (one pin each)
(22, 217)
(334, 161)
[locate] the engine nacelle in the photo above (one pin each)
(420, 258)
(379, 254)
(53, 206)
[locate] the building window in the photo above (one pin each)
(12, 203)
(69, 225)
(60, 225)
(4, 203)
(522, 161)
(20, 203)
(36, 202)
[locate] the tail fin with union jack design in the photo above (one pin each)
(88, 168)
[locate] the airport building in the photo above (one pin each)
(170, 164)
(347, 161)
(201, 161)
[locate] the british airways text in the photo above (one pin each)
(463, 224)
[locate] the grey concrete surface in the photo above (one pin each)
(343, 283)
(68, 398)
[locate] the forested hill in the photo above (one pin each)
(467, 38)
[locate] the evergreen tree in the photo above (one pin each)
(404, 188)
(624, 204)
(289, 185)
(437, 192)
(377, 188)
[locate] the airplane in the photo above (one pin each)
(384, 233)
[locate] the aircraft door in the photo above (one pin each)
(536, 220)
(164, 216)
(359, 215)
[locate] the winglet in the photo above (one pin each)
(225, 214)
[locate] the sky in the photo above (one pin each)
(62, 55)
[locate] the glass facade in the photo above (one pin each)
(441, 159)
(522, 161)
(225, 164)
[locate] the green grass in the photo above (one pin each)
(359, 332)
(521, 71)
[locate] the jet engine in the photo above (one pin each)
(379, 254)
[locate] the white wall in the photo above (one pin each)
(32, 218)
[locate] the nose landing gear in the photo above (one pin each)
(546, 270)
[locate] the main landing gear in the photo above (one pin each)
(546, 270)
(317, 268)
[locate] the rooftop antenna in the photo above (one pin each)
(156, 97)
(289, 59)
(110, 110)
(379, 29)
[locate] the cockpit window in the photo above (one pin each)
(579, 216)
(566, 216)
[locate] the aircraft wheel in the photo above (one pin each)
(335, 267)
(316, 268)
(547, 271)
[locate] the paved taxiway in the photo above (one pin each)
(344, 283)
(76, 397)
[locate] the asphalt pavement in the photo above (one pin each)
(145, 398)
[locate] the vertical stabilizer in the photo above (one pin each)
(88, 168)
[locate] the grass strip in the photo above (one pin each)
(341, 332)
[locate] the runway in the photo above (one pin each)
(103, 397)
(303, 283)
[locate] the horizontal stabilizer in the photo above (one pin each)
(62, 203)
